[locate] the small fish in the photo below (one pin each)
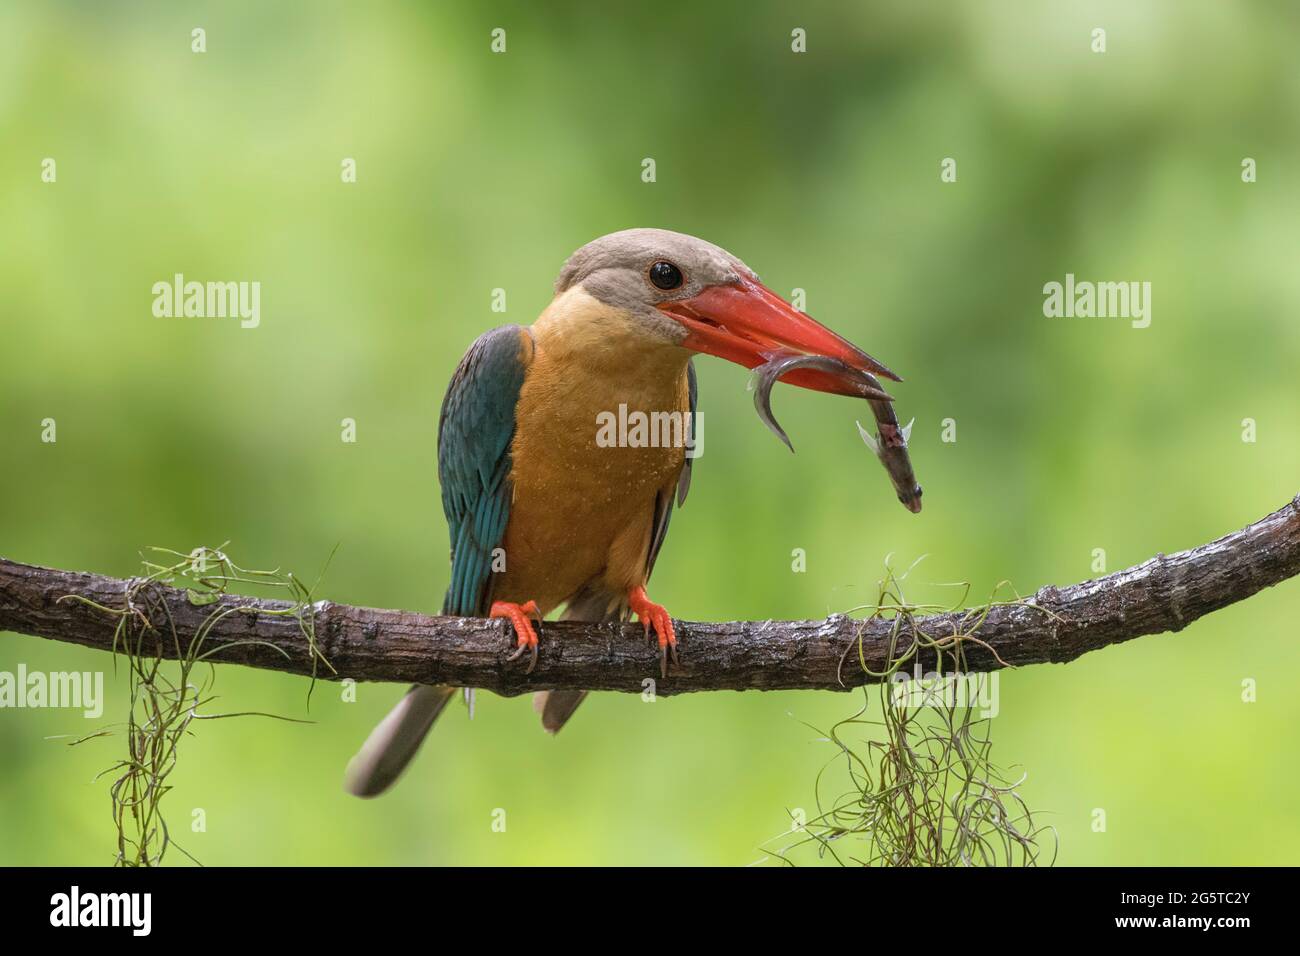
(785, 362)
(890, 446)
(890, 443)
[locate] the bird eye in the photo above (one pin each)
(664, 275)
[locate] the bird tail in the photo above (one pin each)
(393, 743)
(557, 706)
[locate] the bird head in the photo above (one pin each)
(696, 295)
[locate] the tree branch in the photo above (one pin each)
(1165, 593)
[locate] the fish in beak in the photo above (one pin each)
(747, 323)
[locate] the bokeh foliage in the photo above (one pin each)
(821, 170)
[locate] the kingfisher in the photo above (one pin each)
(544, 512)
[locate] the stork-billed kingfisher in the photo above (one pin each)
(541, 513)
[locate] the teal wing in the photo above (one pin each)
(475, 431)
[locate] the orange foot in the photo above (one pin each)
(518, 615)
(654, 615)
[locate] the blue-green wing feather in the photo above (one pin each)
(475, 430)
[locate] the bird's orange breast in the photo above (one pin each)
(585, 476)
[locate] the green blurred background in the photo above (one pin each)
(821, 170)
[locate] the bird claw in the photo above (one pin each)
(518, 615)
(519, 652)
(655, 616)
(666, 651)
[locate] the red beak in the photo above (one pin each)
(747, 323)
